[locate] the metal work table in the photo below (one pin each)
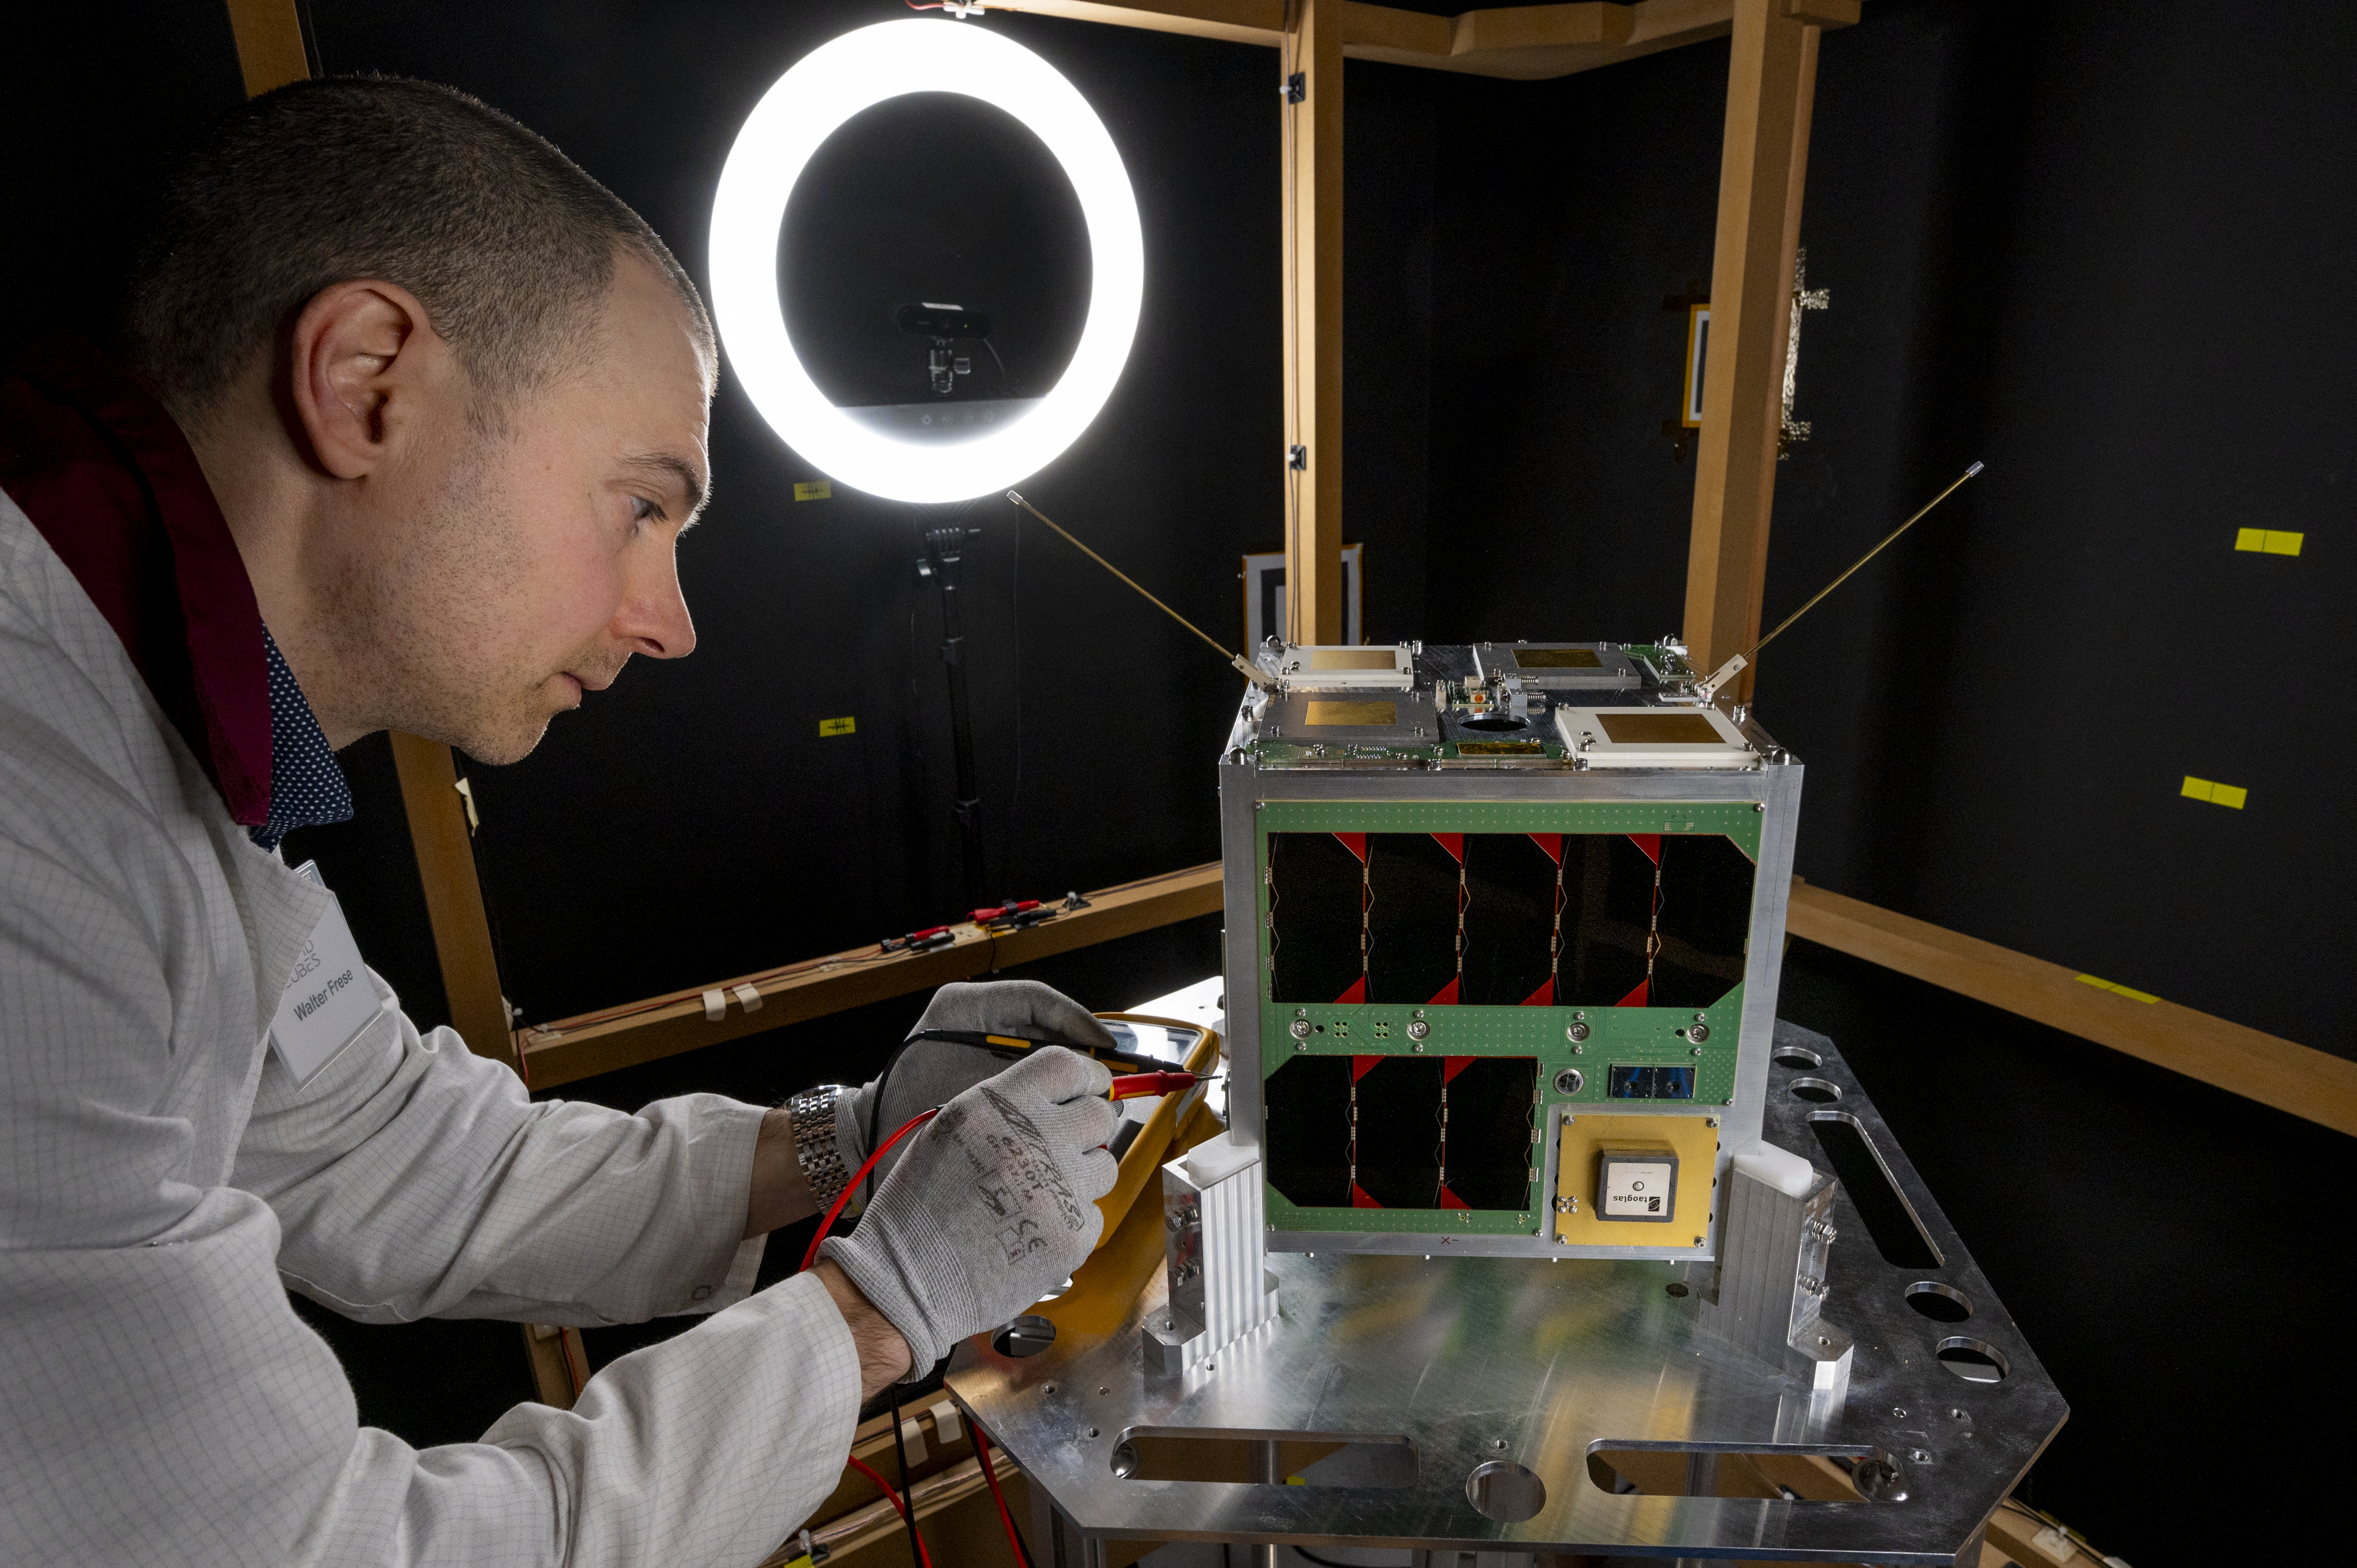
(1524, 1373)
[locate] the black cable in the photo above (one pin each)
(1321, 1562)
(908, 1494)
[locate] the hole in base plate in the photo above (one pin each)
(1941, 1303)
(1816, 1091)
(1793, 1472)
(1973, 1360)
(1304, 1460)
(1026, 1335)
(1505, 1491)
(1797, 1056)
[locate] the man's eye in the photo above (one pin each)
(644, 511)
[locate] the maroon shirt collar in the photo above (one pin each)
(111, 485)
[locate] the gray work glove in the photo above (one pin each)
(935, 1072)
(995, 1205)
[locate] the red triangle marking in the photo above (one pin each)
(1452, 1065)
(1651, 844)
(1454, 844)
(1361, 1066)
(1552, 843)
(1635, 998)
(1355, 843)
(1543, 996)
(1450, 1201)
(1357, 992)
(1445, 997)
(1358, 1198)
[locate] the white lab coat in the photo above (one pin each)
(164, 1182)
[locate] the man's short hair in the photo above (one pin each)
(509, 246)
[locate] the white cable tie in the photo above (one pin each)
(749, 997)
(716, 1004)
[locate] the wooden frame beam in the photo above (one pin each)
(573, 1049)
(2309, 1083)
(1522, 43)
(1771, 85)
(1312, 194)
(439, 832)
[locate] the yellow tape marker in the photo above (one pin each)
(2117, 990)
(2216, 794)
(846, 725)
(2268, 541)
(820, 489)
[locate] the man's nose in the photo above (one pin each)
(653, 618)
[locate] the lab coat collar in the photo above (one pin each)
(113, 486)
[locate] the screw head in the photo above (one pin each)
(1920, 1456)
(1419, 1029)
(1299, 1029)
(1569, 1080)
(1898, 1409)
(1697, 1050)
(1697, 1033)
(1576, 1032)
(1499, 1444)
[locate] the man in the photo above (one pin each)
(406, 419)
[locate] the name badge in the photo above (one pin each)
(330, 1000)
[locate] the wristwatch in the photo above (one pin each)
(815, 1146)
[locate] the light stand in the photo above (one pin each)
(944, 549)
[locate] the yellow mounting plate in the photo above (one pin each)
(1695, 1139)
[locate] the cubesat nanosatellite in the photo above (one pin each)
(1516, 916)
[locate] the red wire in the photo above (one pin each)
(860, 1465)
(990, 1474)
(827, 1224)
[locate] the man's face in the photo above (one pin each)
(527, 567)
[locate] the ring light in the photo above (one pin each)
(806, 106)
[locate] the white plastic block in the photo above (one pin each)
(1787, 1172)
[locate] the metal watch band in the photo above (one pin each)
(815, 1149)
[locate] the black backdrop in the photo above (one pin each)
(2098, 246)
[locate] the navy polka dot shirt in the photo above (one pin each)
(306, 786)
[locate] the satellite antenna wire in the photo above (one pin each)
(1256, 676)
(1733, 667)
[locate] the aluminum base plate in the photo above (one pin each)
(1450, 1369)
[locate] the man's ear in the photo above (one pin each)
(365, 361)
